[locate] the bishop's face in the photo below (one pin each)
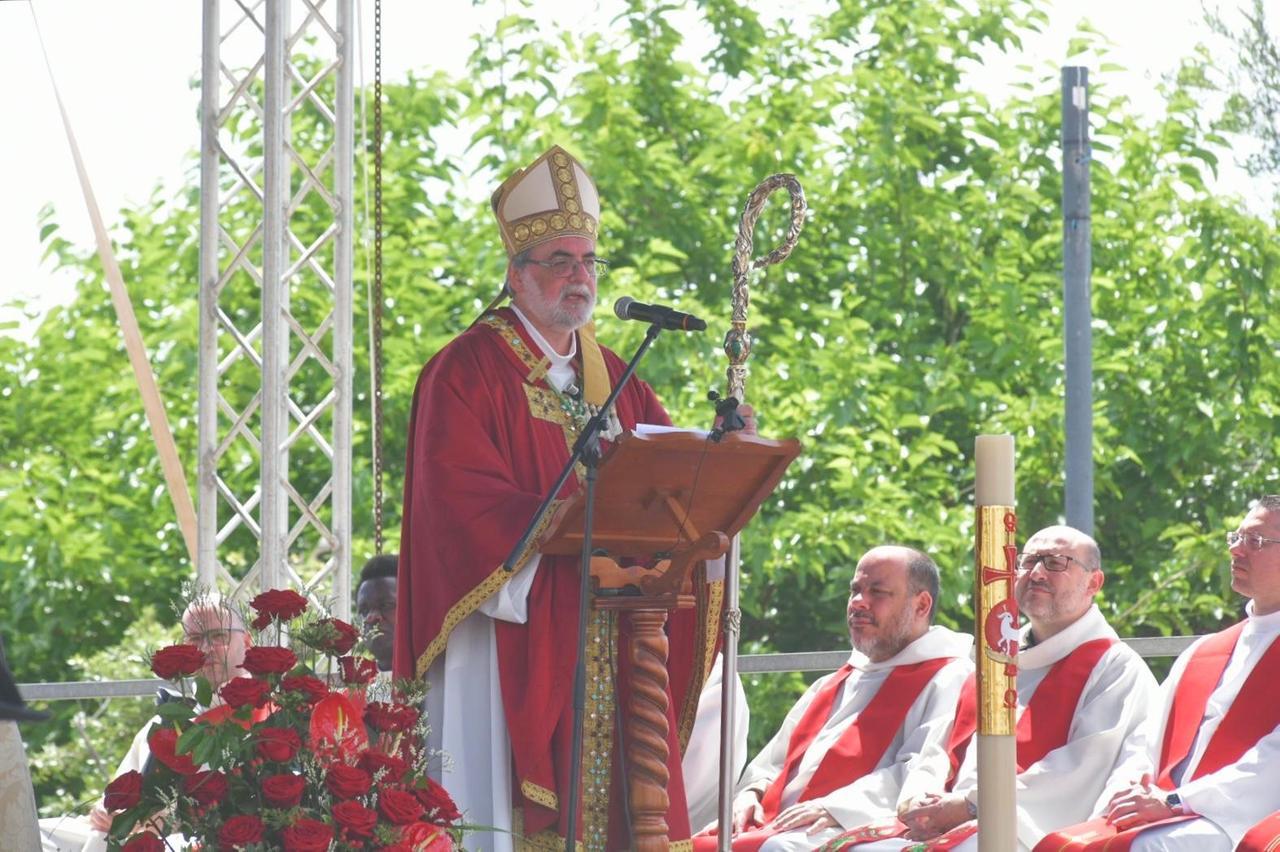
(557, 306)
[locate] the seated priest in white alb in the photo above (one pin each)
(1082, 694)
(1208, 778)
(856, 737)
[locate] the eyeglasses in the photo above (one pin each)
(563, 267)
(211, 637)
(1055, 562)
(1255, 542)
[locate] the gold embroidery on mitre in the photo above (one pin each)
(553, 197)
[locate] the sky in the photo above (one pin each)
(128, 73)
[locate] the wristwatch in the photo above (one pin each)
(1174, 803)
(973, 808)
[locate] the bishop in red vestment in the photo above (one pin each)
(495, 414)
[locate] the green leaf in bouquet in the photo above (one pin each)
(123, 823)
(174, 711)
(204, 692)
(204, 750)
(190, 739)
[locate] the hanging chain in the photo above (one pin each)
(377, 276)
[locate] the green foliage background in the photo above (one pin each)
(922, 306)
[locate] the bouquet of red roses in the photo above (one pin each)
(285, 760)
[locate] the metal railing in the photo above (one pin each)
(802, 661)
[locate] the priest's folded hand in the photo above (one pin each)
(807, 815)
(748, 813)
(931, 815)
(1139, 809)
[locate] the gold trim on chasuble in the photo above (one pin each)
(708, 616)
(597, 748)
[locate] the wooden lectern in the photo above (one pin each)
(677, 498)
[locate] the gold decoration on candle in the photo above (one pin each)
(996, 611)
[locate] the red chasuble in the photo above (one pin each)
(1044, 725)
(487, 437)
(1252, 714)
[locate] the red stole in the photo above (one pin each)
(1252, 714)
(1044, 725)
(1263, 837)
(855, 754)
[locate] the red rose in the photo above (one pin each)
(244, 691)
(269, 659)
(123, 792)
(307, 835)
(440, 807)
(207, 788)
(357, 670)
(145, 842)
(282, 604)
(393, 768)
(347, 782)
(398, 806)
(278, 744)
(283, 791)
(355, 819)
(336, 636)
(175, 661)
(425, 837)
(390, 717)
(240, 831)
(313, 687)
(163, 743)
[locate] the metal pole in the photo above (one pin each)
(1077, 313)
(273, 509)
(207, 411)
(343, 332)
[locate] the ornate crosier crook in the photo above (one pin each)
(737, 345)
(737, 341)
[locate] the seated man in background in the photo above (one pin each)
(857, 736)
(376, 607)
(213, 626)
(1211, 770)
(1082, 693)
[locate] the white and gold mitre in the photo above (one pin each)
(553, 197)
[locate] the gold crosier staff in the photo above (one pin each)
(737, 345)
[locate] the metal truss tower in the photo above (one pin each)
(276, 250)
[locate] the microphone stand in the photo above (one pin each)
(586, 450)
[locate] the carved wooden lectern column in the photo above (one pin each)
(675, 499)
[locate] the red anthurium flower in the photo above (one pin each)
(163, 743)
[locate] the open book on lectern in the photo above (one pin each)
(660, 490)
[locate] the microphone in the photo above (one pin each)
(670, 319)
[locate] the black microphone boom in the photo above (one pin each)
(666, 318)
